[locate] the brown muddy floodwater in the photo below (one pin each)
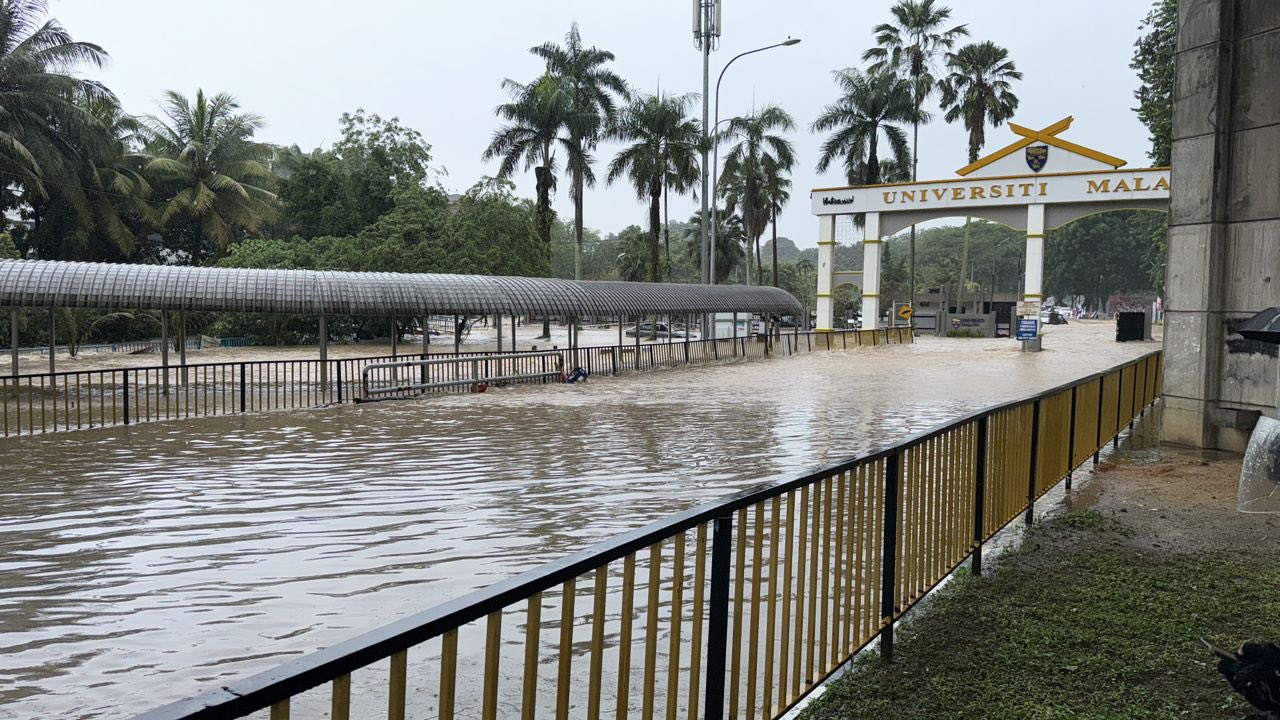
(143, 564)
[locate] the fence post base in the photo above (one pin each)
(886, 643)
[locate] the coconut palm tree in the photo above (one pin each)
(759, 153)
(912, 45)
(777, 191)
(663, 154)
(530, 139)
(204, 161)
(730, 241)
(977, 90)
(872, 107)
(44, 116)
(585, 90)
(96, 209)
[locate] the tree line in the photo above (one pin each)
(192, 183)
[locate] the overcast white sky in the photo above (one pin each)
(437, 66)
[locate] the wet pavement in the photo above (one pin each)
(148, 563)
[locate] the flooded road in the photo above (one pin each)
(145, 564)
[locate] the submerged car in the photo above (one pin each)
(647, 329)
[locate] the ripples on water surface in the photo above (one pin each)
(140, 565)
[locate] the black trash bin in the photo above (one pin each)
(1131, 326)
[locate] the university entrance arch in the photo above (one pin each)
(1066, 182)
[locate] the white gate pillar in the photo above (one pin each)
(826, 262)
(1034, 284)
(871, 272)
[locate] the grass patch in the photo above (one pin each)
(1074, 623)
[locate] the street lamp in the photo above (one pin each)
(715, 162)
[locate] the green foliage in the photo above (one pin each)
(977, 90)
(966, 333)
(1153, 58)
(8, 250)
(663, 155)
(209, 174)
(871, 107)
(1100, 255)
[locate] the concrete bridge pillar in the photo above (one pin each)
(1224, 221)
(871, 272)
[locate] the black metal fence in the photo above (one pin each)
(51, 402)
(735, 609)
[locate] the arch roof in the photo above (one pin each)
(49, 283)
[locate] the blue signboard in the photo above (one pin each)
(1028, 328)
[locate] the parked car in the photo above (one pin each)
(662, 331)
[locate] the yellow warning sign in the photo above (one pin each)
(904, 312)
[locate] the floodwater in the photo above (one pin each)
(148, 563)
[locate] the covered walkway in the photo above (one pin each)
(55, 284)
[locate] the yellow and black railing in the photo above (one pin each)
(736, 609)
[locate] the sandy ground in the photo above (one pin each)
(1177, 499)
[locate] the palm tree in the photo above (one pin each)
(777, 191)
(585, 91)
(977, 91)
(96, 208)
(730, 239)
(530, 139)
(759, 153)
(870, 107)
(204, 160)
(663, 154)
(912, 44)
(45, 119)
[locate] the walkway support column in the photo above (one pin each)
(13, 339)
(182, 345)
(497, 323)
(324, 353)
(826, 266)
(871, 272)
(53, 340)
(164, 349)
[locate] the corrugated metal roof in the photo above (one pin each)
(47, 283)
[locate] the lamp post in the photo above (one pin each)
(715, 162)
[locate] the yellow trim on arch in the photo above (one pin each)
(823, 295)
(1035, 235)
(1031, 295)
(871, 295)
(1046, 136)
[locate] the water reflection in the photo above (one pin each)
(142, 564)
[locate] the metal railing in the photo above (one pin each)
(734, 609)
(53, 402)
(386, 378)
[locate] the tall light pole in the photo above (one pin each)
(715, 162)
(706, 37)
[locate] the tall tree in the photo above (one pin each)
(978, 90)
(51, 138)
(871, 107)
(1153, 59)
(664, 148)
(777, 191)
(585, 90)
(530, 139)
(211, 174)
(912, 44)
(759, 158)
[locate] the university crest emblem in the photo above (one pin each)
(1036, 157)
